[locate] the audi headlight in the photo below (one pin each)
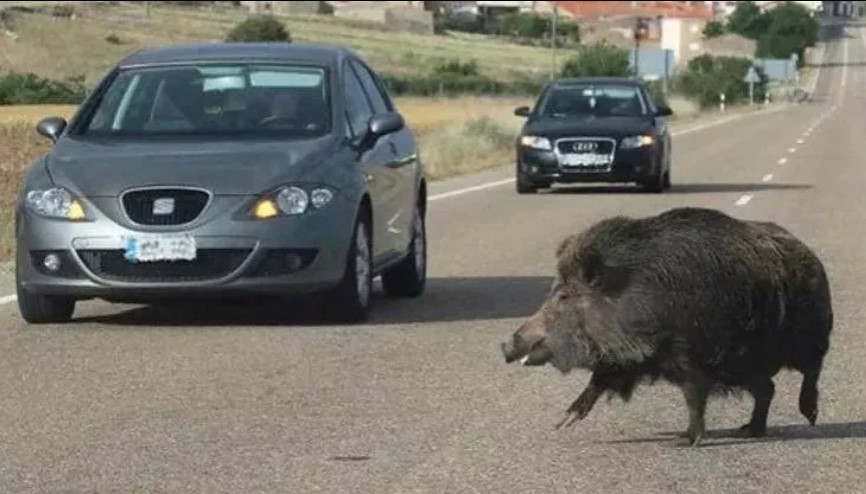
(55, 202)
(536, 142)
(292, 200)
(632, 142)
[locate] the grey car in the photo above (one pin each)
(225, 169)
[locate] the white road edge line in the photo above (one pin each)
(8, 299)
(743, 200)
(767, 177)
(688, 130)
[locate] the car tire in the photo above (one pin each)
(43, 309)
(524, 186)
(408, 278)
(667, 180)
(352, 297)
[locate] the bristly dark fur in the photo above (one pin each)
(693, 296)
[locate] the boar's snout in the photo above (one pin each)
(530, 349)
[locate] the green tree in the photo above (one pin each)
(714, 29)
(598, 59)
(792, 29)
(259, 28)
(747, 20)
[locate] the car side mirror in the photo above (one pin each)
(381, 124)
(664, 111)
(386, 123)
(51, 127)
(522, 111)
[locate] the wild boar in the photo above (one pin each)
(705, 301)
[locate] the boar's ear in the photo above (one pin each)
(601, 274)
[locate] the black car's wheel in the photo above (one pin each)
(43, 309)
(655, 183)
(667, 180)
(408, 278)
(524, 186)
(352, 297)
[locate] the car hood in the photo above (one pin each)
(224, 168)
(589, 126)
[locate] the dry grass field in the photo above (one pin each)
(58, 47)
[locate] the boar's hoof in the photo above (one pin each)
(753, 430)
(577, 411)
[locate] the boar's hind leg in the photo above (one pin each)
(809, 395)
(762, 391)
(696, 394)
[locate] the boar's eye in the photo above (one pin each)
(561, 295)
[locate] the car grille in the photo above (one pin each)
(164, 207)
(582, 146)
(210, 264)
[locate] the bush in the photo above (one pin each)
(30, 89)
(522, 25)
(714, 29)
(454, 77)
(598, 59)
(325, 8)
(259, 28)
(747, 20)
(707, 76)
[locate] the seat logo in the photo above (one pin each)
(584, 147)
(163, 206)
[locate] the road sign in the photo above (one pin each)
(752, 78)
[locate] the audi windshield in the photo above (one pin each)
(212, 100)
(584, 100)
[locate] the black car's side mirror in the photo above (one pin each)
(664, 111)
(522, 111)
(51, 127)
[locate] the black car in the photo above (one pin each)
(594, 129)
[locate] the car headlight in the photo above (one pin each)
(55, 202)
(636, 141)
(291, 200)
(536, 142)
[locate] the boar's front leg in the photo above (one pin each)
(619, 381)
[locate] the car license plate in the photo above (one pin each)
(587, 159)
(152, 248)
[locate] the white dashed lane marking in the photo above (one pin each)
(782, 161)
(767, 177)
(743, 200)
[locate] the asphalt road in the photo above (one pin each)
(242, 400)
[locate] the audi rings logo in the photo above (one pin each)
(584, 147)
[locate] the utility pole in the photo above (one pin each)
(553, 42)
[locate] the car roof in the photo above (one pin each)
(221, 51)
(569, 81)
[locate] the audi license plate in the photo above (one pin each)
(587, 159)
(153, 248)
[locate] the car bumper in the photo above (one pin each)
(629, 165)
(235, 256)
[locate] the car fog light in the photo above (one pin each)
(51, 262)
(293, 262)
(533, 169)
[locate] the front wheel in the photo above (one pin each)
(407, 279)
(352, 296)
(43, 309)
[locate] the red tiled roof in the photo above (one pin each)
(693, 10)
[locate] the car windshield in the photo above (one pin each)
(594, 100)
(210, 100)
